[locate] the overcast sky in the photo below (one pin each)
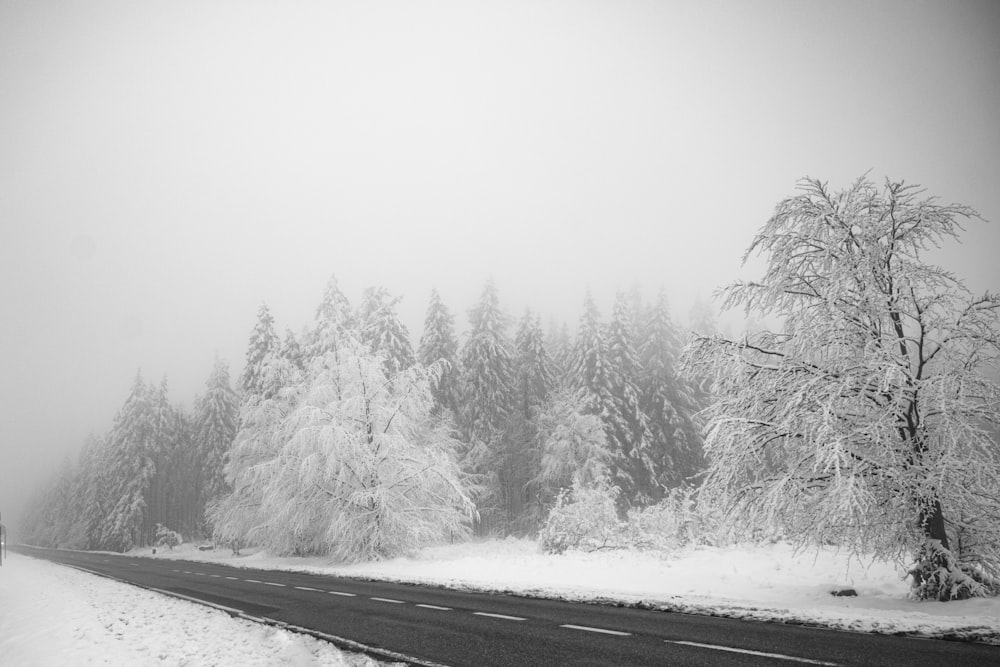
(167, 166)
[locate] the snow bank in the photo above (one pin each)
(767, 582)
(54, 615)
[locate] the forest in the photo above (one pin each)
(867, 417)
(496, 399)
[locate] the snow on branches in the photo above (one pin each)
(869, 419)
(354, 466)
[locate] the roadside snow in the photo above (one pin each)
(55, 615)
(767, 582)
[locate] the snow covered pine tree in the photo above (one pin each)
(868, 420)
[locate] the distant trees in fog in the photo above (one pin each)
(493, 394)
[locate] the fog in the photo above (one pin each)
(165, 167)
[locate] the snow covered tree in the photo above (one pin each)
(560, 346)
(263, 342)
(520, 460)
(589, 360)
(216, 426)
(574, 447)
(264, 404)
(382, 331)
(133, 446)
(487, 363)
(334, 317)
(637, 474)
(667, 400)
(866, 420)
(439, 344)
(359, 469)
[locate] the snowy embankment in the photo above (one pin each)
(55, 615)
(766, 582)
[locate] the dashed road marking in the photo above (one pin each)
(185, 572)
(434, 606)
(272, 583)
(253, 581)
(215, 576)
(346, 595)
(306, 588)
(779, 656)
(587, 628)
(503, 616)
(387, 600)
(199, 574)
(233, 578)
(178, 571)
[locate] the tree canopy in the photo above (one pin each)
(865, 418)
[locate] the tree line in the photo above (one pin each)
(489, 395)
(867, 418)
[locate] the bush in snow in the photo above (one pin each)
(166, 537)
(676, 521)
(584, 517)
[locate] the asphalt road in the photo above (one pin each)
(437, 626)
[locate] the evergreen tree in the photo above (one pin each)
(292, 350)
(132, 469)
(487, 362)
(533, 380)
(668, 401)
(439, 345)
(263, 342)
(559, 343)
(334, 317)
(382, 331)
(628, 428)
(216, 425)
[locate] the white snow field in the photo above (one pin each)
(55, 615)
(766, 581)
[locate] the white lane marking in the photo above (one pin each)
(253, 581)
(346, 595)
(271, 583)
(215, 576)
(134, 564)
(306, 588)
(199, 574)
(175, 570)
(185, 571)
(434, 606)
(503, 616)
(387, 600)
(590, 629)
(233, 578)
(779, 656)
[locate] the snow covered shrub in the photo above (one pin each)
(584, 518)
(676, 521)
(166, 537)
(574, 445)
(939, 575)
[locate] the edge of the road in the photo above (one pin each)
(340, 642)
(973, 636)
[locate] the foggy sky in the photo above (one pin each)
(167, 166)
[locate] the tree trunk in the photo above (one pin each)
(932, 523)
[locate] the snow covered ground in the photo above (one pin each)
(55, 615)
(768, 582)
